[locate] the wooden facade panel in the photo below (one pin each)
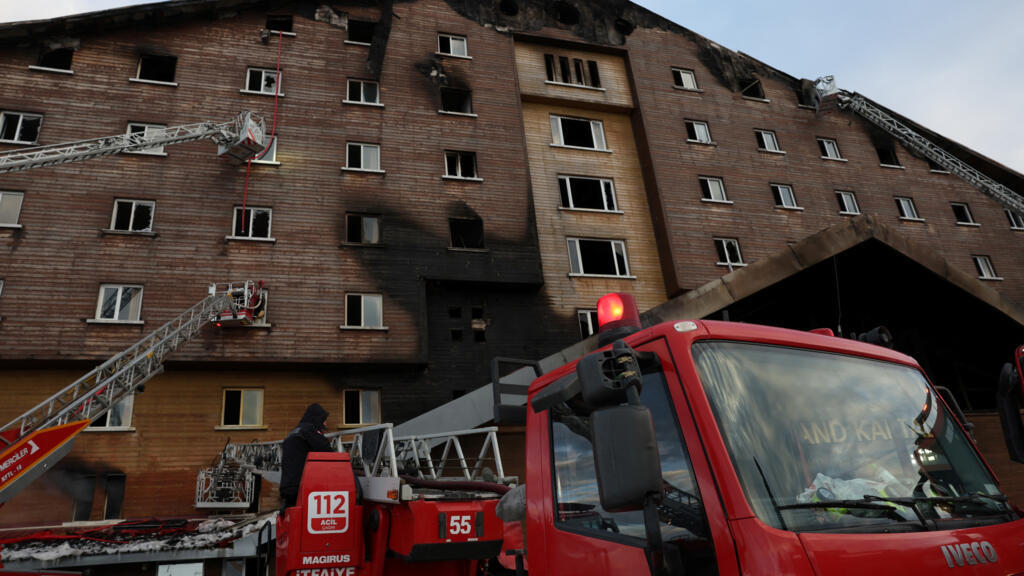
(614, 84)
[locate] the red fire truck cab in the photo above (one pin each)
(766, 451)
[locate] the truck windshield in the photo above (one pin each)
(805, 428)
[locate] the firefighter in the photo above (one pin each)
(307, 437)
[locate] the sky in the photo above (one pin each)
(950, 65)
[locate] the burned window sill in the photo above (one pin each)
(360, 103)
(154, 82)
(905, 219)
(259, 93)
(364, 328)
(585, 275)
(144, 153)
(240, 427)
(142, 233)
(568, 147)
(790, 208)
(767, 151)
(11, 226)
(713, 201)
(969, 224)
(361, 170)
(282, 33)
(756, 99)
(363, 244)
(450, 55)
(731, 265)
(580, 86)
(685, 89)
(451, 113)
(461, 249)
(842, 213)
(895, 166)
(462, 178)
(267, 162)
(933, 171)
(109, 429)
(1016, 229)
(711, 143)
(995, 278)
(48, 69)
(115, 322)
(834, 159)
(249, 239)
(354, 43)
(591, 210)
(18, 142)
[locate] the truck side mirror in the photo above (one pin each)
(625, 457)
(1008, 402)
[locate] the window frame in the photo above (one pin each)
(571, 71)
(138, 71)
(362, 92)
(596, 132)
(607, 186)
(17, 211)
(695, 130)
(252, 214)
(131, 219)
(269, 151)
(241, 408)
(707, 192)
(780, 197)
(902, 205)
(970, 221)
(363, 146)
(451, 236)
(450, 37)
(360, 217)
(589, 316)
(99, 319)
(363, 298)
(348, 32)
(762, 137)
(467, 102)
(1016, 220)
(44, 68)
(986, 270)
(279, 76)
(128, 407)
(827, 150)
(678, 81)
(152, 151)
(890, 150)
(618, 248)
(843, 195)
(4, 114)
(725, 243)
(375, 402)
(460, 156)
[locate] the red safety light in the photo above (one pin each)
(617, 310)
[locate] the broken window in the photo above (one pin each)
(847, 202)
(132, 215)
(156, 68)
(582, 193)
(452, 45)
(697, 131)
(1016, 220)
(363, 92)
(752, 89)
(363, 311)
(361, 32)
(935, 167)
(242, 407)
(20, 127)
(728, 250)
(59, 59)
(577, 132)
(784, 197)
(362, 407)
(82, 487)
(458, 164)
(362, 229)
(144, 131)
(119, 303)
(712, 189)
(115, 497)
(10, 207)
(565, 70)
(269, 153)
(282, 23)
(887, 156)
(119, 415)
(592, 257)
(263, 81)
(588, 322)
(252, 223)
(364, 157)
(906, 208)
(685, 79)
(456, 100)
(467, 233)
(829, 149)
(985, 269)
(766, 140)
(479, 324)
(963, 214)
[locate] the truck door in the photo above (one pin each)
(582, 538)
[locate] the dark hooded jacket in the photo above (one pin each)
(307, 437)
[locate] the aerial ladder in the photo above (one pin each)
(845, 100)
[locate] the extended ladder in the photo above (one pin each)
(238, 139)
(914, 141)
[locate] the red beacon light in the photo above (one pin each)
(617, 316)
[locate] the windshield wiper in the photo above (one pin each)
(913, 501)
(839, 505)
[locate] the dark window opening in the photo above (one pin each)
(360, 31)
(232, 407)
(508, 7)
(279, 23)
(597, 257)
(353, 407)
(460, 164)
(115, 497)
(563, 65)
(595, 77)
(935, 166)
(587, 193)
(581, 75)
(59, 59)
(455, 312)
(549, 66)
(963, 214)
(887, 156)
(752, 89)
(577, 133)
(157, 68)
(566, 13)
(479, 335)
(355, 156)
(82, 488)
(456, 335)
(362, 229)
(354, 310)
(456, 100)
(467, 233)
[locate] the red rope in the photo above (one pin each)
(273, 127)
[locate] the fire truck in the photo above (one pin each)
(694, 447)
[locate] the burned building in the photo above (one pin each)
(445, 181)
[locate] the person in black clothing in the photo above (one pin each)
(307, 437)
